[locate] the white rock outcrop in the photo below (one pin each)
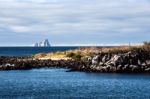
(44, 43)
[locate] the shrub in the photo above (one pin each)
(77, 57)
(71, 54)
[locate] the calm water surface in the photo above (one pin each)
(58, 84)
(26, 51)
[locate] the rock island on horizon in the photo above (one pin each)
(44, 43)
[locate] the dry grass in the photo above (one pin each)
(57, 55)
(85, 52)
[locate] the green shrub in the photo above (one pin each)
(77, 57)
(71, 54)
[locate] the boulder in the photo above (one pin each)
(113, 69)
(95, 60)
(101, 64)
(148, 62)
(104, 59)
(103, 69)
(125, 68)
(147, 69)
(115, 60)
(119, 68)
(89, 58)
(134, 68)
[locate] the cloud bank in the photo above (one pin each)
(74, 21)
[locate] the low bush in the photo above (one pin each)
(76, 56)
(70, 54)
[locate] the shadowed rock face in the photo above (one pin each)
(131, 62)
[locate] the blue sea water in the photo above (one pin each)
(25, 51)
(59, 84)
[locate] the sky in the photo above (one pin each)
(74, 22)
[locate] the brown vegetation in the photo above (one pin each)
(84, 52)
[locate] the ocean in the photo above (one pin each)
(56, 83)
(26, 51)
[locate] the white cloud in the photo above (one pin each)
(105, 17)
(20, 29)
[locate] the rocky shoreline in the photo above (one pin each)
(130, 62)
(26, 63)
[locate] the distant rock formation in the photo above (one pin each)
(44, 43)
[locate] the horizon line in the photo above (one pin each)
(91, 45)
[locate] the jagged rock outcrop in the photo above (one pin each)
(44, 43)
(133, 61)
(130, 62)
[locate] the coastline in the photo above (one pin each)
(123, 59)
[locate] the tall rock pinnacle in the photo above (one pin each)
(44, 43)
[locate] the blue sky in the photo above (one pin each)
(74, 22)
